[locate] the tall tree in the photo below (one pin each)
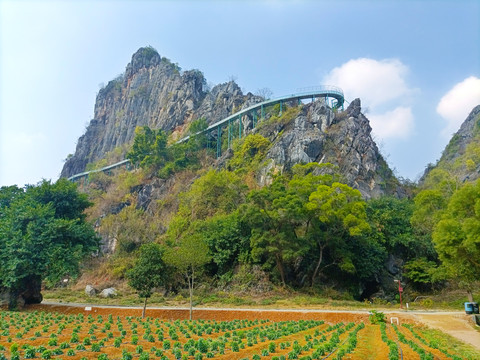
(149, 271)
(43, 236)
(149, 148)
(188, 255)
(341, 214)
(456, 236)
(274, 214)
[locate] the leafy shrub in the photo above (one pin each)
(144, 356)
(30, 352)
(126, 355)
(376, 317)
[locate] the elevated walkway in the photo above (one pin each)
(333, 96)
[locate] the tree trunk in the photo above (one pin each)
(319, 262)
(280, 269)
(470, 295)
(191, 293)
(144, 307)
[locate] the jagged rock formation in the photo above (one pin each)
(154, 92)
(344, 139)
(460, 157)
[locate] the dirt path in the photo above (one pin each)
(456, 325)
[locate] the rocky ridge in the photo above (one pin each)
(459, 157)
(318, 134)
(155, 92)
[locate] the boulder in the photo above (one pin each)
(108, 293)
(90, 290)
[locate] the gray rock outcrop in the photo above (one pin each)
(318, 134)
(456, 149)
(154, 92)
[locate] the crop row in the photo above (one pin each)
(44, 335)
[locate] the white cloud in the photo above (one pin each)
(383, 89)
(375, 82)
(457, 103)
(397, 123)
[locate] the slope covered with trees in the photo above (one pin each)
(303, 227)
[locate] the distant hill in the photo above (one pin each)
(461, 157)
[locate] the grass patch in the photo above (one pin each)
(445, 341)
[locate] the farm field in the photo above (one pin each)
(81, 335)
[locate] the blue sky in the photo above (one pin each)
(414, 64)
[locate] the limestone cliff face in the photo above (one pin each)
(344, 139)
(460, 157)
(154, 92)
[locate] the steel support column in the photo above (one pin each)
(219, 141)
(240, 127)
(229, 133)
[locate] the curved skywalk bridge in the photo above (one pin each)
(333, 97)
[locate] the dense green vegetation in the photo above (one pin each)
(305, 229)
(150, 150)
(43, 235)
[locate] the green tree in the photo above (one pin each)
(149, 271)
(249, 151)
(228, 240)
(422, 272)
(149, 149)
(309, 213)
(43, 236)
(456, 236)
(274, 215)
(188, 255)
(391, 222)
(341, 213)
(216, 192)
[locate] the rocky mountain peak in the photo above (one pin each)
(153, 91)
(460, 156)
(145, 57)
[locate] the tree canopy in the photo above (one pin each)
(43, 234)
(456, 235)
(149, 271)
